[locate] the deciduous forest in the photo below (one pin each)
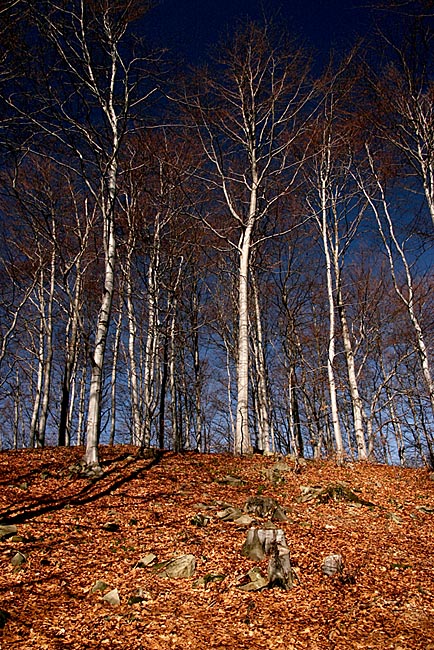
(231, 257)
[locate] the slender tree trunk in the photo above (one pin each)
(331, 337)
(197, 372)
(136, 415)
(91, 457)
(163, 390)
(81, 407)
(34, 421)
(172, 309)
(356, 400)
(262, 397)
(70, 361)
(116, 344)
(48, 361)
(232, 432)
(152, 335)
(242, 442)
(176, 434)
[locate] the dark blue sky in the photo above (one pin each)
(190, 27)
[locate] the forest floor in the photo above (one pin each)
(73, 531)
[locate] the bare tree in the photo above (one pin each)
(99, 86)
(247, 116)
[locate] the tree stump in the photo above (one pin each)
(262, 542)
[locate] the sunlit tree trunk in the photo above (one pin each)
(356, 401)
(113, 391)
(258, 347)
(332, 325)
(34, 421)
(91, 457)
(152, 335)
(242, 442)
(136, 413)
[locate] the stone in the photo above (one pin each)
(112, 597)
(256, 581)
(18, 559)
(99, 585)
(210, 577)
(147, 560)
(7, 531)
(229, 514)
(265, 507)
(309, 492)
(231, 480)
(181, 567)
(253, 547)
(332, 492)
(139, 596)
(200, 520)
(244, 520)
(332, 564)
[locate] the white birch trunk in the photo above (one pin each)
(173, 306)
(356, 400)
(242, 443)
(91, 457)
(34, 421)
(81, 407)
(48, 361)
(331, 335)
(116, 344)
(152, 335)
(136, 416)
(263, 403)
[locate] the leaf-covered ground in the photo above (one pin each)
(74, 531)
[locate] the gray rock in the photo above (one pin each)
(18, 559)
(231, 480)
(200, 520)
(181, 567)
(253, 547)
(99, 585)
(244, 520)
(112, 597)
(257, 581)
(332, 564)
(7, 531)
(265, 507)
(147, 560)
(210, 577)
(229, 514)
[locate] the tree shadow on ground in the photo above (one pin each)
(95, 489)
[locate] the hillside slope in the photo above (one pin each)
(73, 532)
